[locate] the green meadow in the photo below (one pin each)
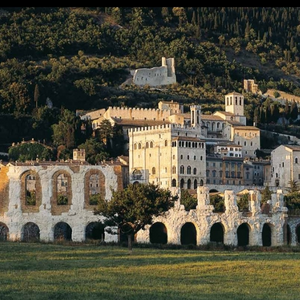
(109, 272)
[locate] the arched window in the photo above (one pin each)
(153, 171)
(182, 183)
(174, 170)
(181, 169)
(195, 184)
(195, 171)
(189, 183)
(189, 170)
(30, 189)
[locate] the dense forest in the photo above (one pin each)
(59, 60)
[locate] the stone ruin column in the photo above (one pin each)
(254, 202)
(230, 201)
(203, 200)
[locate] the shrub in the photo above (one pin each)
(30, 198)
(62, 199)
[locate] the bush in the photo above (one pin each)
(62, 199)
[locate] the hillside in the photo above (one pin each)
(78, 58)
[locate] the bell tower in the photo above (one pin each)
(195, 115)
(234, 103)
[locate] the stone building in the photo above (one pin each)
(50, 201)
(156, 76)
(251, 86)
(169, 155)
(285, 163)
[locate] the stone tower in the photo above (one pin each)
(234, 103)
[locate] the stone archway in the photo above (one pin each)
(243, 234)
(158, 233)
(95, 231)
(4, 232)
(62, 232)
(188, 234)
(30, 232)
(217, 233)
(266, 235)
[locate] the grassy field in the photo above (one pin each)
(69, 272)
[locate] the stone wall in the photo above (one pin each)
(78, 213)
(203, 219)
(46, 212)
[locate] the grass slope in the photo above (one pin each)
(49, 271)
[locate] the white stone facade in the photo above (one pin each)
(156, 76)
(169, 155)
(202, 219)
(285, 163)
(45, 214)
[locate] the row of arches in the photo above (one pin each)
(158, 233)
(188, 234)
(62, 231)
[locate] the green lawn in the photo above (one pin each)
(51, 271)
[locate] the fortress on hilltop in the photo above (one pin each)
(156, 76)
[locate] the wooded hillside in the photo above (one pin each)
(78, 58)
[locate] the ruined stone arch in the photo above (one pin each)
(95, 231)
(94, 184)
(31, 191)
(30, 232)
(188, 234)
(4, 232)
(266, 234)
(243, 234)
(217, 233)
(62, 232)
(61, 186)
(158, 233)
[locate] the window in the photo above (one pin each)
(153, 171)
(174, 170)
(189, 170)
(181, 169)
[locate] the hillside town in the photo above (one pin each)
(176, 150)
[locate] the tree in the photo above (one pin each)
(94, 151)
(266, 195)
(188, 200)
(243, 202)
(218, 202)
(67, 131)
(132, 208)
(36, 95)
(294, 186)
